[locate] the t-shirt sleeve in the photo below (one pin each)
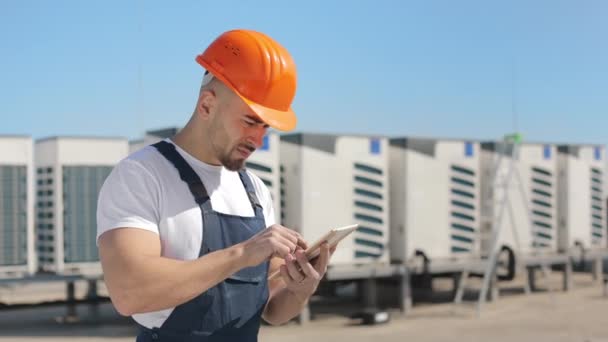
(265, 199)
(129, 197)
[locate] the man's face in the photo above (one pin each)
(236, 133)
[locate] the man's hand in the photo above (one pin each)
(275, 240)
(301, 276)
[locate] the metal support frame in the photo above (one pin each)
(368, 275)
(71, 315)
(497, 224)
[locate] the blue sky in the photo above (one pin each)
(420, 68)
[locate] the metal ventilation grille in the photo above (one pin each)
(282, 189)
(597, 209)
(369, 212)
(13, 215)
(45, 207)
(542, 207)
(262, 171)
(81, 185)
(462, 208)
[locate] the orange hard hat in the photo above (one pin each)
(259, 70)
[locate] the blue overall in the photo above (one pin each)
(231, 310)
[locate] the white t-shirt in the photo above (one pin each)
(145, 191)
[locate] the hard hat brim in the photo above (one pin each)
(277, 119)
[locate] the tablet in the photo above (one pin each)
(333, 237)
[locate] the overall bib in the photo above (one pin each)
(231, 310)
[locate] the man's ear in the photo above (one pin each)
(207, 101)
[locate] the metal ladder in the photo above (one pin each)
(489, 276)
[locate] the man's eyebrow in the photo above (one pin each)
(255, 119)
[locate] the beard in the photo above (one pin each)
(229, 156)
(232, 163)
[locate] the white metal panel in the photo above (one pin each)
(76, 151)
(18, 151)
(46, 152)
(264, 163)
(291, 185)
(53, 157)
(15, 150)
(434, 198)
(328, 180)
(582, 209)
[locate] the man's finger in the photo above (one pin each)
(292, 269)
(305, 265)
(285, 275)
(295, 238)
(292, 232)
(302, 244)
(284, 246)
(321, 263)
(289, 234)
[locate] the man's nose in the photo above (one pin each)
(258, 136)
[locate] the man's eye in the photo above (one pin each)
(249, 123)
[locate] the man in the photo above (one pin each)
(186, 236)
